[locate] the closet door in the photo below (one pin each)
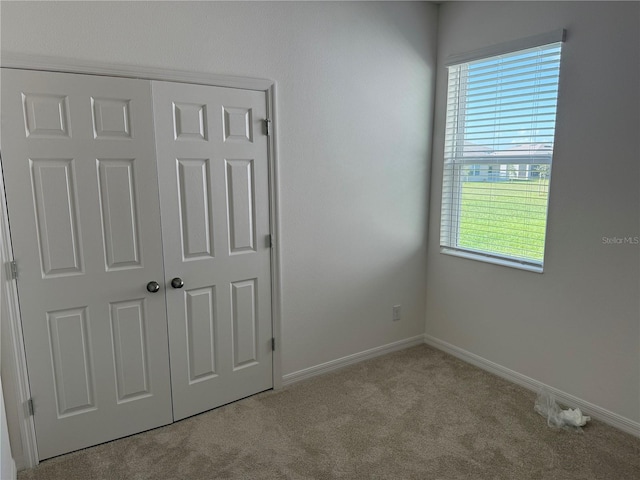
(81, 183)
(213, 170)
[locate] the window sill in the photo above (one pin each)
(504, 262)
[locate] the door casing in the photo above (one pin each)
(16, 387)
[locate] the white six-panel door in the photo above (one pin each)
(80, 174)
(213, 171)
(85, 188)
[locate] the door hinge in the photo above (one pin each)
(267, 127)
(12, 270)
(270, 241)
(28, 407)
(273, 344)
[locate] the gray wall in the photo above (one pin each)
(355, 100)
(7, 465)
(355, 84)
(575, 327)
(355, 88)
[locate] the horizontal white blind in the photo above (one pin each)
(498, 150)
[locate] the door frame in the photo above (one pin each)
(18, 383)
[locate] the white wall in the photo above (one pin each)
(576, 327)
(7, 465)
(355, 84)
(7, 453)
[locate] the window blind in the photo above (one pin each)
(500, 126)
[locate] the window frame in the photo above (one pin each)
(450, 197)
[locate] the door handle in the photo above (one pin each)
(177, 283)
(153, 287)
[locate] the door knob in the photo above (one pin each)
(177, 283)
(153, 287)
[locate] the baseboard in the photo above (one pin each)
(613, 419)
(351, 359)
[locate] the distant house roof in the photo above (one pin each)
(532, 153)
(527, 149)
(471, 149)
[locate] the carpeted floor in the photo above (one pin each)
(413, 414)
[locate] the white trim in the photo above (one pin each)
(66, 65)
(503, 262)
(351, 359)
(13, 473)
(618, 421)
(276, 248)
(508, 47)
(18, 383)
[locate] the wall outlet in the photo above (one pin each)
(396, 313)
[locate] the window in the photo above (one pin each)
(500, 124)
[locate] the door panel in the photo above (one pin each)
(71, 352)
(128, 330)
(244, 318)
(81, 182)
(240, 183)
(201, 331)
(56, 209)
(213, 171)
(117, 197)
(194, 198)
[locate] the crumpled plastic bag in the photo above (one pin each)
(568, 419)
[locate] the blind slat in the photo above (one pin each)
(515, 75)
(521, 105)
(543, 98)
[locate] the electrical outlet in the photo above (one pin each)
(396, 313)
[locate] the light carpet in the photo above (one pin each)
(414, 414)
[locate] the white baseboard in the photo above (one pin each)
(613, 419)
(351, 359)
